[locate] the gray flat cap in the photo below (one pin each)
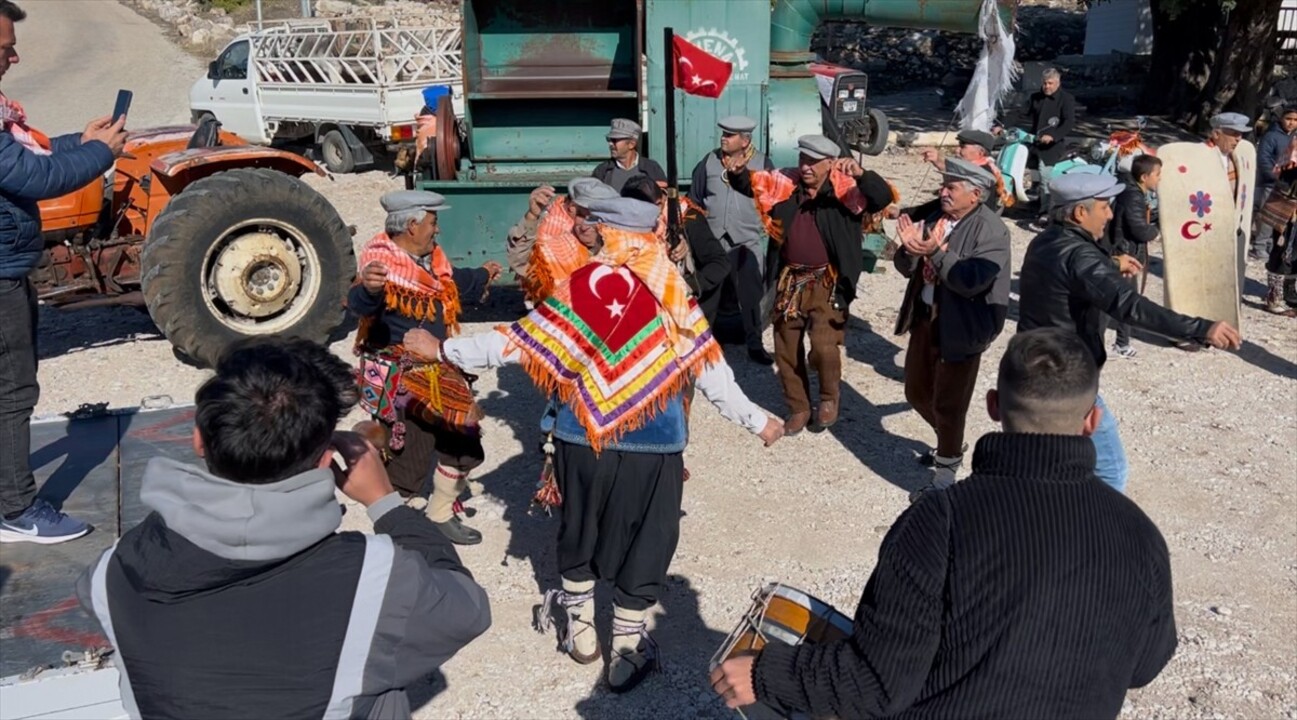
(1076, 187)
(976, 137)
(584, 189)
(737, 124)
(625, 213)
(1237, 122)
(818, 147)
(961, 169)
(399, 200)
(623, 129)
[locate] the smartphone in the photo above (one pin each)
(123, 105)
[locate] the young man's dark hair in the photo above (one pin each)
(271, 409)
(642, 187)
(1142, 165)
(1048, 382)
(13, 12)
(237, 596)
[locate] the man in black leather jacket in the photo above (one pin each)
(1069, 281)
(1132, 229)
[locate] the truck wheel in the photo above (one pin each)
(336, 153)
(877, 133)
(244, 253)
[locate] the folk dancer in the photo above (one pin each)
(1270, 154)
(625, 160)
(959, 262)
(813, 214)
(542, 248)
(1069, 281)
(1226, 131)
(734, 219)
(976, 147)
(1028, 590)
(408, 295)
(1132, 229)
(621, 426)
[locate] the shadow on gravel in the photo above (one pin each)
(426, 690)
(1264, 359)
(680, 688)
(64, 331)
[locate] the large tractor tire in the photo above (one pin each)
(244, 253)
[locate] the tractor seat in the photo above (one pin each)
(207, 135)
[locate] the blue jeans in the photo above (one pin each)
(1110, 457)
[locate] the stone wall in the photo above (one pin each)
(200, 29)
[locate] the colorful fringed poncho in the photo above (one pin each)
(618, 338)
(391, 380)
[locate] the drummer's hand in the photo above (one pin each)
(733, 681)
(422, 344)
(771, 433)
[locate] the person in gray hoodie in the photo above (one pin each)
(236, 597)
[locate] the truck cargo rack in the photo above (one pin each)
(352, 51)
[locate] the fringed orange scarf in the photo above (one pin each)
(618, 339)
(412, 291)
(771, 187)
(557, 253)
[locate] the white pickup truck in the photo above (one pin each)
(346, 86)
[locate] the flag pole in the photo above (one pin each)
(669, 114)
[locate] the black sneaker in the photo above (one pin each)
(459, 533)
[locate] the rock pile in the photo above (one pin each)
(899, 59)
(199, 27)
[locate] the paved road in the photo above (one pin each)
(76, 54)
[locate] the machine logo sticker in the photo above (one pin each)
(719, 43)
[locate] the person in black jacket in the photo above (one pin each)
(1269, 155)
(1052, 113)
(1029, 590)
(958, 260)
(1132, 229)
(709, 264)
(237, 596)
(1069, 281)
(33, 167)
(814, 215)
(626, 161)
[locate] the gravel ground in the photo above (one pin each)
(1210, 437)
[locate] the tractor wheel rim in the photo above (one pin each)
(261, 277)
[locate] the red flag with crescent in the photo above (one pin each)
(698, 72)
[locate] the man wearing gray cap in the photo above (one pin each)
(734, 219)
(814, 215)
(958, 260)
(408, 297)
(975, 146)
(542, 248)
(1069, 281)
(1227, 129)
(625, 320)
(626, 161)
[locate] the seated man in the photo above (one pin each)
(237, 597)
(1029, 590)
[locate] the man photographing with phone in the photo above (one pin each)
(33, 167)
(237, 597)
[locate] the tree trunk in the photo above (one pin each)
(1206, 60)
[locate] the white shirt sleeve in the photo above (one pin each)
(483, 350)
(718, 386)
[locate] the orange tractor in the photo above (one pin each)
(219, 239)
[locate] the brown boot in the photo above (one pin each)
(826, 416)
(796, 423)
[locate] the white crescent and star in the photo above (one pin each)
(616, 309)
(695, 80)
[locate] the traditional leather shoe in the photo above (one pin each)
(459, 533)
(825, 416)
(760, 356)
(796, 423)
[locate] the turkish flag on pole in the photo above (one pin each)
(698, 72)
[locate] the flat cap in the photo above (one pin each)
(625, 213)
(623, 129)
(737, 124)
(1237, 122)
(1073, 188)
(818, 147)
(399, 200)
(976, 137)
(584, 189)
(961, 169)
